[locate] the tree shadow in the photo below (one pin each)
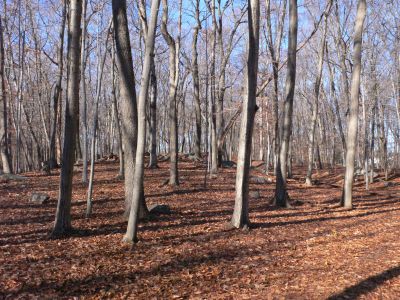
(367, 285)
(85, 286)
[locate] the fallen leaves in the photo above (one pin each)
(315, 251)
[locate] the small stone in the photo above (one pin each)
(160, 209)
(39, 198)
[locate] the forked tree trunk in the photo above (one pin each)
(240, 216)
(128, 99)
(281, 197)
(63, 215)
(137, 193)
(347, 200)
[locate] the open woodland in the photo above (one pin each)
(199, 149)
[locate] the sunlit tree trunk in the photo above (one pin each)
(58, 91)
(63, 214)
(281, 197)
(240, 216)
(4, 146)
(137, 194)
(347, 200)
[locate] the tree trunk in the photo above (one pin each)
(240, 216)
(58, 91)
(137, 193)
(281, 198)
(196, 83)
(316, 103)
(173, 84)
(4, 144)
(347, 200)
(63, 214)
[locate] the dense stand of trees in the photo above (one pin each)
(315, 84)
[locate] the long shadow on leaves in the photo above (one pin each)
(367, 285)
(85, 286)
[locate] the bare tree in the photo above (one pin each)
(281, 197)
(137, 194)
(63, 215)
(317, 86)
(5, 156)
(58, 91)
(174, 48)
(355, 93)
(240, 216)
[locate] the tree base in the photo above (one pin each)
(278, 204)
(309, 182)
(129, 241)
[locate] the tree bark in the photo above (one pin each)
(281, 197)
(173, 84)
(137, 193)
(347, 200)
(4, 143)
(63, 214)
(316, 104)
(240, 216)
(58, 92)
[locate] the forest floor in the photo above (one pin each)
(315, 250)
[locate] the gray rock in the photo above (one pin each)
(258, 179)
(39, 198)
(11, 177)
(254, 195)
(228, 164)
(160, 209)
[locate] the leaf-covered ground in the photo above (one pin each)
(314, 251)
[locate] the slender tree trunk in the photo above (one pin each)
(58, 91)
(4, 144)
(347, 201)
(153, 116)
(84, 98)
(100, 70)
(196, 82)
(281, 198)
(173, 84)
(240, 216)
(316, 104)
(117, 118)
(137, 194)
(63, 214)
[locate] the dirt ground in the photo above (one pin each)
(316, 250)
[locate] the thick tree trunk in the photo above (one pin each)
(347, 200)
(240, 216)
(281, 198)
(137, 193)
(63, 214)
(128, 99)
